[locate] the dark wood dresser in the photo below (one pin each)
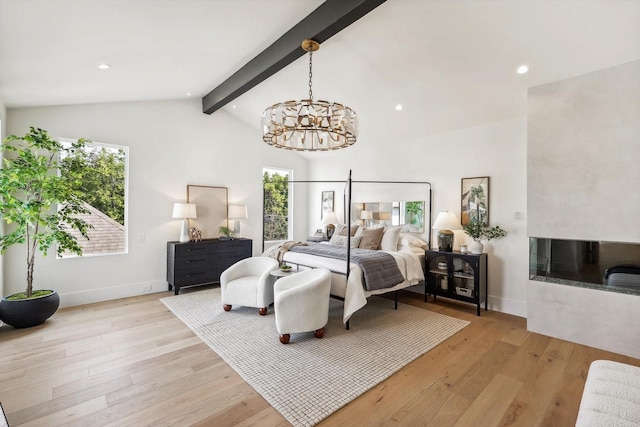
(200, 263)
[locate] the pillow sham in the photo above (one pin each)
(407, 239)
(341, 229)
(389, 240)
(370, 238)
(342, 241)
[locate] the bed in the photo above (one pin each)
(350, 284)
(393, 237)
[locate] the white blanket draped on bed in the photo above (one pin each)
(354, 294)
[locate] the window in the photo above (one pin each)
(276, 208)
(104, 170)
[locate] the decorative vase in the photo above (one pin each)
(476, 247)
(25, 313)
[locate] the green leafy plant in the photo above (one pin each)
(225, 231)
(477, 231)
(36, 201)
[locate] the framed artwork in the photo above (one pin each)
(475, 200)
(211, 209)
(327, 202)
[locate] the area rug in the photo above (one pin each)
(309, 378)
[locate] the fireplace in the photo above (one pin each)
(586, 264)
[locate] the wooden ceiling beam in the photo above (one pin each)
(328, 19)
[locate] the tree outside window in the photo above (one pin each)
(103, 187)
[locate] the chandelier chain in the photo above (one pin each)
(310, 75)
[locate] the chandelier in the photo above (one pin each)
(309, 125)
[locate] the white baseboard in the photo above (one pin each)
(509, 306)
(113, 292)
(503, 305)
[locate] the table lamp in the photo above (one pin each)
(184, 211)
(445, 222)
(236, 213)
(366, 217)
(330, 219)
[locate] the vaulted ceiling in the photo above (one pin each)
(451, 64)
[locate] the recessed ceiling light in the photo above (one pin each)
(188, 93)
(523, 69)
(104, 66)
(398, 107)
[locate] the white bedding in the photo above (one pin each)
(354, 293)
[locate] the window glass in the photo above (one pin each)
(277, 211)
(103, 168)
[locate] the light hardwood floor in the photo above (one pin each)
(131, 362)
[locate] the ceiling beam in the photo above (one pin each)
(328, 19)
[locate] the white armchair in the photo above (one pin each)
(301, 303)
(248, 283)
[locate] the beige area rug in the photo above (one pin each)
(309, 378)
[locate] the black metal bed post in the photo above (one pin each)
(348, 207)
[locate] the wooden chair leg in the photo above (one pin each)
(263, 311)
(226, 307)
(284, 338)
(319, 333)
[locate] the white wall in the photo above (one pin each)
(497, 150)
(583, 174)
(583, 156)
(172, 144)
(3, 127)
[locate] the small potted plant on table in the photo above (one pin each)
(479, 232)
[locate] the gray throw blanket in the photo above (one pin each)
(380, 269)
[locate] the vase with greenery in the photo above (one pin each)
(478, 232)
(39, 206)
(227, 233)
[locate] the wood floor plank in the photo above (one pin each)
(132, 362)
(488, 407)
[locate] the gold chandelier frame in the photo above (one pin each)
(309, 125)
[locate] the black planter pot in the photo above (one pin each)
(29, 312)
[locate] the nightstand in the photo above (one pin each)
(317, 239)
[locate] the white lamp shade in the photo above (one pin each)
(184, 210)
(330, 218)
(366, 214)
(238, 212)
(447, 221)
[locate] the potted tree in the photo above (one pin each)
(39, 206)
(478, 232)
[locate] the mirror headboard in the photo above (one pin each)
(409, 213)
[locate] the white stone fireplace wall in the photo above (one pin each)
(583, 183)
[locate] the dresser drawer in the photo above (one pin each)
(192, 277)
(195, 249)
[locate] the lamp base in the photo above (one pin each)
(236, 228)
(445, 240)
(184, 232)
(330, 230)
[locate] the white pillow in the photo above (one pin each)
(407, 239)
(342, 241)
(389, 240)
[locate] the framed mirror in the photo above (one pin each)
(211, 209)
(409, 213)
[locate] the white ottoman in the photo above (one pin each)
(611, 396)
